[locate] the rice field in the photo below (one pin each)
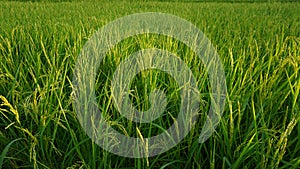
(258, 45)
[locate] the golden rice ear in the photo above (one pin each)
(4, 104)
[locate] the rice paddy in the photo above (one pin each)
(258, 45)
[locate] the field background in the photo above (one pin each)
(258, 43)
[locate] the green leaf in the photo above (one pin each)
(4, 152)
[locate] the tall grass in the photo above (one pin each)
(259, 45)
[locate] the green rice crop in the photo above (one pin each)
(259, 46)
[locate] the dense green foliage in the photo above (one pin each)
(259, 45)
